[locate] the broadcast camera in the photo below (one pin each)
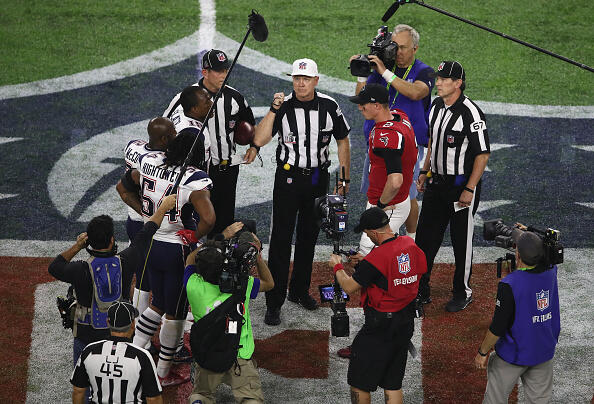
(240, 254)
(66, 306)
(383, 47)
(502, 234)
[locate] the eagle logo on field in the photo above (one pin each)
(542, 300)
(403, 263)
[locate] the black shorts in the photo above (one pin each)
(379, 353)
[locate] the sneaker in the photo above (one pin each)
(458, 304)
(308, 302)
(174, 378)
(183, 355)
(272, 316)
(345, 352)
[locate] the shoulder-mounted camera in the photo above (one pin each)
(383, 47)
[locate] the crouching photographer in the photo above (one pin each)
(388, 278)
(219, 290)
(525, 327)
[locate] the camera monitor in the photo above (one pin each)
(327, 293)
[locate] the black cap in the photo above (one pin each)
(530, 246)
(121, 315)
(371, 219)
(371, 93)
(216, 60)
(450, 69)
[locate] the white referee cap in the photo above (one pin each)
(304, 67)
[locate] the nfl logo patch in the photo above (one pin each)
(221, 57)
(441, 65)
(289, 180)
(450, 139)
(403, 263)
(542, 300)
(231, 124)
(302, 65)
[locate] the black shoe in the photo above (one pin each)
(308, 302)
(182, 356)
(457, 304)
(272, 316)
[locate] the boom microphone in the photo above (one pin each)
(258, 26)
(390, 12)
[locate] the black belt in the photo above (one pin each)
(299, 170)
(458, 180)
(223, 166)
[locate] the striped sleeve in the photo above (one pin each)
(478, 136)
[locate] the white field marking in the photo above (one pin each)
(589, 148)
(6, 196)
(10, 139)
(498, 146)
(586, 204)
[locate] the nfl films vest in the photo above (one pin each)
(402, 263)
(533, 336)
(414, 109)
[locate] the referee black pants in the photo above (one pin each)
(223, 195)
(436, 213)
(293, 203)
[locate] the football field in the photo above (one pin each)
(64, 130)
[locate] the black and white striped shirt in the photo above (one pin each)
(231, 108)
(305, 129)
(117, 371)
(458, 134)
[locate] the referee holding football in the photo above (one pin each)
(457, 156)
(231, 108)
(305, 122)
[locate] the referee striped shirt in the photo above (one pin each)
(117, 372)
(231, 108)
(305, 128)
(458, 134)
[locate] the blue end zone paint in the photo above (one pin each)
(544, 173)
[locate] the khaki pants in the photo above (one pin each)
(243, 379)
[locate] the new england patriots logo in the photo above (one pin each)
(542, 300)
(403, 264)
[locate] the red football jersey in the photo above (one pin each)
(395, 135)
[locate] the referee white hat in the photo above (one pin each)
(304, 67)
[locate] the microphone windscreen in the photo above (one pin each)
(258, 26)
(390, 12)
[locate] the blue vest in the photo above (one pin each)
(534, 334)
(414, 109)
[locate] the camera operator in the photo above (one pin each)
(201, 278)
(388, 278)
(409, 83)
(90, 325)
(525, 327)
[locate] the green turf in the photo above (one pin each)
(497, 69)
(41, 39)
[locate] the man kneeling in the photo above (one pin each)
(202, 278)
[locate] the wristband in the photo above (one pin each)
(344, 180)
(423, 172)
(338, 267)
(388, 76)
(469, 190)
(362, 79)
(482, 354)
(380, 204)
(272, 109)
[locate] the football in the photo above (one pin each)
(244, 133)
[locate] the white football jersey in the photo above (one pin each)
(182, 121)
(156, 181)
(132, 153)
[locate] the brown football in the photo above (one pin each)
(244, 133)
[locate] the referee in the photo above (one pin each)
(305, 122)
(116, 370)
(231, 108)
(457, 156)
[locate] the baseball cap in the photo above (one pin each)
(371, 93)
(373, 218)
(216, 60)
(304, 67)
(121, 315)
(450, 69)
(529, 246)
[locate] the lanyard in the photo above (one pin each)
(403, 78)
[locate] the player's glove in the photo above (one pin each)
(187, 236)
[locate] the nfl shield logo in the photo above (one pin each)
(403, 263)
(231, 124)
(441, 65)
(302, 65)
(542, 300)
(450, 139)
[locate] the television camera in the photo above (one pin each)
(383, 47)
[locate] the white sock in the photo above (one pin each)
(171, 331)
(147, 324)
(140, 300)
(412, 235)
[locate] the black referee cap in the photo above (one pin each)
(450, 69)
(215, 59)
(373, 218)
(371, 93)
(121, 315)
